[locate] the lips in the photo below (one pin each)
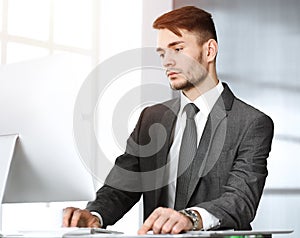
(171, 73)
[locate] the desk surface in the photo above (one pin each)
(91, 233)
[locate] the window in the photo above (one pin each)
(31, 29)
(89, 27)
(37, 28)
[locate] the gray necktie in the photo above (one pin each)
(187, 153)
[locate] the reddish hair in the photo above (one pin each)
(189, 18)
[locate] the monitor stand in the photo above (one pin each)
(7, 147)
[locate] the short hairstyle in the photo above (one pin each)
(189, 18)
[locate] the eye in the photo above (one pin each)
(178, 49)
(162, 55)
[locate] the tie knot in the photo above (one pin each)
(191, 110)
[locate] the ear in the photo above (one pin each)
(211, 49)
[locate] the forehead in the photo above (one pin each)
(166, 37)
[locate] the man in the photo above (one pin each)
(214, 143)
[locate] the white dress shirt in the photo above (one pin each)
(205, 104)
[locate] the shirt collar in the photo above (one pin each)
(205, 102)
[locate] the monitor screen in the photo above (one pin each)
(36, 102)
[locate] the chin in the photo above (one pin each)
(181, 85)
(178, 84)
(178, 87)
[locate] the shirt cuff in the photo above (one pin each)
(209, 221)
(96, 214)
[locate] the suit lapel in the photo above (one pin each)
(212, 140)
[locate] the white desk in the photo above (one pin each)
(86, 233)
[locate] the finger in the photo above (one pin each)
(94, 222)
(169, 224)
(182, 224)
(95, 225)
(75, 218)
(177, 228)
(148, 224)
(143, 230)
(67, 215)
(159, 223)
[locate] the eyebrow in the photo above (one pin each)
(170, 45)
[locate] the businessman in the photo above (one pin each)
(206, 168)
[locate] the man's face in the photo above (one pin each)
(182, 59)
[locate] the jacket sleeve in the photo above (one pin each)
(237, 205)
(122, 187)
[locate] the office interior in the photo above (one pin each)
(258, 58)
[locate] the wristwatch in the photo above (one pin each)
(193, 216)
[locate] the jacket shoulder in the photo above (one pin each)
(158, 110)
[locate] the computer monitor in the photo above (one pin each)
(36, 102)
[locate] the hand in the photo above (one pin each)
(164, 221)
(75, 217)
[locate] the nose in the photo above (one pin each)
(168, 60)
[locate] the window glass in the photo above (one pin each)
(29, 18)
(120, 30)
(73, 23)
(1, 15)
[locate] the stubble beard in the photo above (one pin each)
(184, 85)
(187, 83)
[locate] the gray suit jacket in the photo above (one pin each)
(228, 173)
